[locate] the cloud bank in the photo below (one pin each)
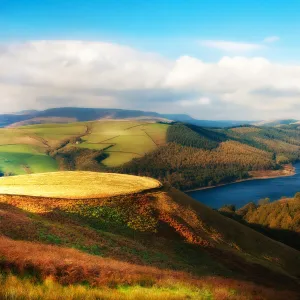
(42, 74)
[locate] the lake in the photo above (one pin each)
(244, 192)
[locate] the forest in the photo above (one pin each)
(197, 157)
(280, 220)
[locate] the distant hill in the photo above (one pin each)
(71, 113)
(276, 122)
(43, 120)
(92, 114)
(131, 236)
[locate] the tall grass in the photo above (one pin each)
(13, 287)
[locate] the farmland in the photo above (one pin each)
(25, 149)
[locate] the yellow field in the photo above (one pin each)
(75, 185)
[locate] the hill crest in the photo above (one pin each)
(76, 185)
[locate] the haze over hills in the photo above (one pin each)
(65, 114)
(278, 122)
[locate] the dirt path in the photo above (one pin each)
(27, 169)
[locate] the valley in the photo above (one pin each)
(187, 156)
(82, 202)
(149, 150)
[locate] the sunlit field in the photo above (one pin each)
(78, 185)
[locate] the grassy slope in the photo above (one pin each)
(23, 149)
(166, 242)
(279, 220)
(27, 156)
(125, 140)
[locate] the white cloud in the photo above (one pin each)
(195, 102)
(271, 39)
(45, 74)
(229, 46)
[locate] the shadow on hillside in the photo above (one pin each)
(285, 236)
(163, 252)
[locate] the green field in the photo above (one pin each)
(53, 133)
(124, 140)
(23, 159)
(24, 149)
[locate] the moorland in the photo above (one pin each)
(156, 243)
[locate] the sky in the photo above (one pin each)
(218, 60)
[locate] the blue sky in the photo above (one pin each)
(170, 27)
(211, 59)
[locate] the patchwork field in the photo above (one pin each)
(24, 159)
(124, 140)
(26, 149)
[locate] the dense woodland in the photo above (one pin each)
(198, 157)
(185, 136)
(279, 220)
(284, 142)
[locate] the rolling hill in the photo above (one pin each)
(47, 147)
(277, 123)
(148, 243)
(65, 114)
(279, 220)
(184, 155)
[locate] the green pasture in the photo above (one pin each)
(54, 133)
(23, 149)
(23, 159)
(128, 139)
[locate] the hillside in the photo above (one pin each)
(279, 122)
(198, 157)
(80, 114)
(186, 156)
(81, 145)
(171, 246)
(279, 220)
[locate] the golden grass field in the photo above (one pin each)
(76, 185)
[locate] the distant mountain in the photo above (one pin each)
(27, 112)
(90, 114)
(179, 117)
(278, 122)
(215, 123)
(8, 119)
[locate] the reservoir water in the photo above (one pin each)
(244, 192)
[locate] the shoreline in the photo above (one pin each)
(290, 173)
